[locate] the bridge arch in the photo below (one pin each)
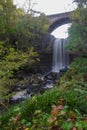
(58, 24)
(58, 20)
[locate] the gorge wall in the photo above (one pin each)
(45, 54)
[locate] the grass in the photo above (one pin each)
(34, 112)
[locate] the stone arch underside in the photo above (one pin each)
(59, 23)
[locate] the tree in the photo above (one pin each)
(78, 31)
(81, 3)
(31, 31)
(20, 33)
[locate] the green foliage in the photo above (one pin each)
(74, 84)
(11, 63)
(81, 3)
(66, 120)
(20, 33)
(31, 31)
(8, 19)
(62, 107)
(77, 41)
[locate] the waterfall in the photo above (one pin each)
(60, 55)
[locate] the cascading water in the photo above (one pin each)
(57, 56)
(60, 55)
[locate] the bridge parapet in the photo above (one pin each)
(55, 17)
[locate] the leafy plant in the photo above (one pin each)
(77, 40)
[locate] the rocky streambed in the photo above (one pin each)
(38, 83)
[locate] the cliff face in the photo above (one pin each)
(46, 53)
(47, 44)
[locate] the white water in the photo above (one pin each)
(60, 55)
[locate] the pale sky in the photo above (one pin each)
(51, 7)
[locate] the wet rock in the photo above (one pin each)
(37, 84)
(63, 70)
(19, 96)
(52, 76)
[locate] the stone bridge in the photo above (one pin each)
(57, 20)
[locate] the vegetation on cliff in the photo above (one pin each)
(78, 31)
(20, 34)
